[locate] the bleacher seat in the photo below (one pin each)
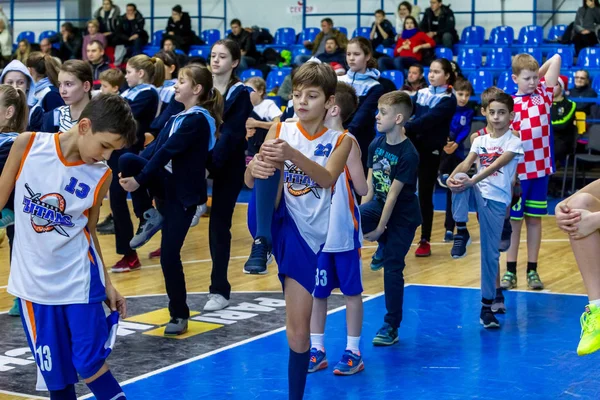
(506, 83)
(27, 35)
(469, 58)
(150, 51)
(249, 73)
(481, 80)
(566, 55)
(285, 37)
(199, 51)
(275, 79)
(157, 38)
(180, 52)
(363, 31)
(596, 84)
(556, 33)
(536, 52)
(531, 35)
(296, 51)
(210, 36)
(589, 57)
(502, 35)
(45, 35)
(498, 58)
(395, 76)
(444, 52)
(388, 51)
(473, 35)
(426, 74)
(308, 34)
(571, 75)
(342, 30)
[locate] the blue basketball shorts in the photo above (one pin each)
(534, 199)
(339, 270)
(68, 340)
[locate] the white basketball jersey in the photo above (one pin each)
(344, 232)
(306, 201)
(54, 260)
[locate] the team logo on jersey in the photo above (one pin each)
(486, 158)
(298, 183)
(323, 150)
(537, 100)
(47, 212)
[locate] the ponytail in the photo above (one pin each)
(153, 67)
(215, 104)
(159, 72)
(44, 65)
(9, 96)
(447, 68)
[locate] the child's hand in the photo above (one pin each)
(250, 132)
(129, 184)
(373, 236)
(251, 123)
(259, 168)
(115, 301)
(587, 225)
(566, 218)
(277, 150)
(450, 147)
(454, 185)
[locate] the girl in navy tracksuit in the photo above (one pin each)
(44, 70)
(143, 75)
(429, 129)
(166, 92)
(363, 76)
(172, 168)
(227, 165)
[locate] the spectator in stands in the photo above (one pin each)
(584, 27)
(131, 31)
(70, 42)
(318, 46)
(95, 56)
(563, 121)
(415, 80)
(382, 31)
(109, 18)
(439, 24)
(404, 10)
(179, 27)
(5, 39)
(47, 48)
(169, 44)
(93, 27)
(244, 39)
(409, 47)
(583, 89)
(333, 53)
(23, 51)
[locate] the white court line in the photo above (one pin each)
(27, 396)
(217, 351)
(511, 290)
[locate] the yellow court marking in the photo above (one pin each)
(157, 317)
(194, 328)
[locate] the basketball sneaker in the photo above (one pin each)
(128, 263)
(176, 327)
(350, 364)
(590, 331)
(259, 257)
(498, 306)
(377, 260)
(8, 218)
(533, 280)
(461, 240)
(448, 236)
(154, 254)
(488, 319)
(200, 211)
(106, 227)
(424, 249)
(215, 302)
(14, 310)
(386, 336)
(318, 360)
(508, 281)
(151, 224)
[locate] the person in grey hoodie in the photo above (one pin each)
(17, 75)
(584, 27)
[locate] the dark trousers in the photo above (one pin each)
(448, 162)
(227, 184)
(396, 242)
(176, 223)
(582, 41)
(10, 232)
(428, 169)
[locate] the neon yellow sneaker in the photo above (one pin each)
(590, 331)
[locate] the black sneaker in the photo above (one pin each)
(461, 240)
(505, 238)
(488, 319)
(259, 256)
(106, 227)
(498, 306)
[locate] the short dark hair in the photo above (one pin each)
(235, 21)
(97, 42)
(505, 99)
(380, 12)
(488, 94)
(68, 27)
(111, 113)
(177, 9)
(131, 5)
(463, 85)
(418, 66)
(328, 20)
(346, 100)
(113, 76)
(318, 75)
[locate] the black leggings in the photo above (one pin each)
(428, 169)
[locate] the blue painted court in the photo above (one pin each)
(443, 353)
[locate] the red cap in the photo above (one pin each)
(563, 81)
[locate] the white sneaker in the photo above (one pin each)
(215, 302)
(200, 211)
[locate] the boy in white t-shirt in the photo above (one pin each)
(264, 115)
(497, 155)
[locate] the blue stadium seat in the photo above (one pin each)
(426, 74)
(45, 35)
(571, 75)
(444, 52)
(596, 84)
(296, 51)
(249, 73)
(199, 51)
(150, 51)
(473, 35)
(286, 70)
(481, 80)
(589, 58)
(498, 58)
(388, 51)
(210, 36)
(285, 36)
(27, 35)
(506, 83)
(363, 31)
(342, 29)
(180, 52)
(308, 34)
(536, 52)
(157, 38)
(531, 35)
(395, 76)
(502, 35)
(556, 32)
(469, 58)
(566, 55)
(275, 79)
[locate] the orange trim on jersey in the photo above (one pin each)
(278, 130)
(307, 135)
(31, 320)
(25, 153)
(339, 141)
(61, 157)
(89, 239)
(350, 199)
(99, 186)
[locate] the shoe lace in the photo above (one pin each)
(589, 322)
(259, 250)
(382, 331)
(533, 276)
(459, 242)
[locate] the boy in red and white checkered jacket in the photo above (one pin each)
(533, 103)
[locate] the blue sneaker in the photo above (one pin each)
(7, 218)
(448, 236)
(318, 360)
(350, 364)
(260, 257)
(149, 226)
(386, 336)
(377, 260)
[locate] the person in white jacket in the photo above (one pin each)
(5, 39)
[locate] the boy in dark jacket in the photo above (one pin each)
(439, 24)
(132, 32)
(179, 27)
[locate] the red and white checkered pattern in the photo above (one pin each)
(533, 122)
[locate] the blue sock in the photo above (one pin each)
(67, 393)
(297, 371)
(266, 194)
(106, 387)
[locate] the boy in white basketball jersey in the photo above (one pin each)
(311, 158)
(56, 268)
(340, 262)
